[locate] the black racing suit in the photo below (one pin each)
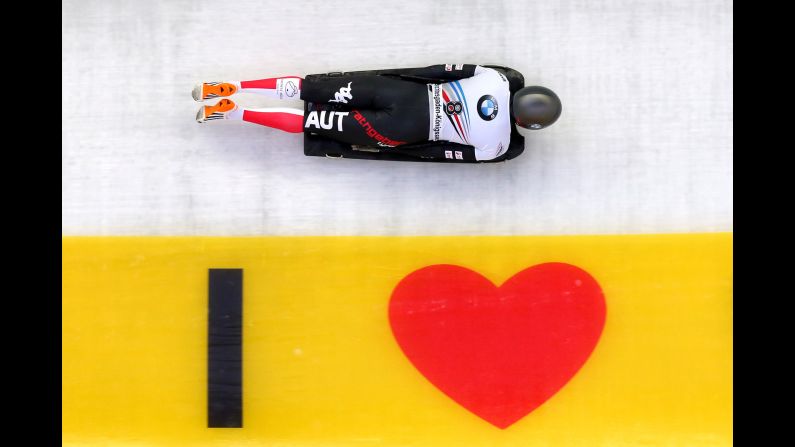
(445, 112)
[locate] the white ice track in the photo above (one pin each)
(644, 143)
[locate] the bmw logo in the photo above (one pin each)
(487, 107)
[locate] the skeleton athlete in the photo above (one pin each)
(469, 108)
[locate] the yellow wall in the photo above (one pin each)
(321, 366)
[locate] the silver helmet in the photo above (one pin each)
(536, 107)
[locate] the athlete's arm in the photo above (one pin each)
(438, 150)
(447, 72)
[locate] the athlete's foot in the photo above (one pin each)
(218, 111)
(210, 90)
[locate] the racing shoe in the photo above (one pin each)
(218, 111)
(209, 90)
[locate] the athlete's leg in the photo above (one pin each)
(364, 110)
(354, 91)
(364, 127)
(363, 91)
(285, 87)
(286, 119)
(367, 110)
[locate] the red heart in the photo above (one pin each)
(500, 352)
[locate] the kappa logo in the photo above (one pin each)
(320, 121)
(343, 95)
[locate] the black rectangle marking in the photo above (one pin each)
(225, 349)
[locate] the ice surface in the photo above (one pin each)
(644, 143)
